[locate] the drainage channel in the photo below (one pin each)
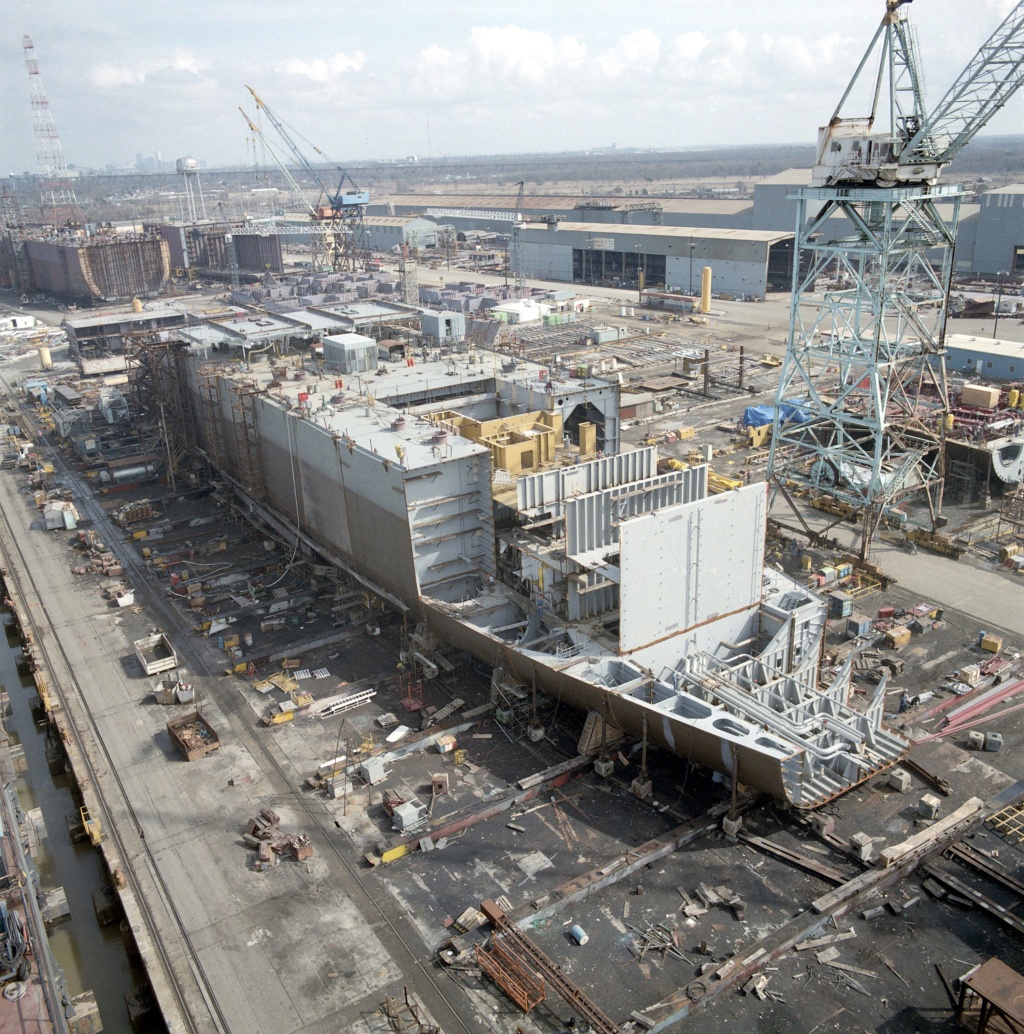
(93, 956)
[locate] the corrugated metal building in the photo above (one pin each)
(999, 244)
(384, 232)
(744, 262)
(985, 357)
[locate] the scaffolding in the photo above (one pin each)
(248, 454)
(159, 404)
(208, 378)
(1011, 516)
(404, 1016)
(16, 235)
(511, 702)
(962, 480)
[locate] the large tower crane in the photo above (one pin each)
(340, 209)
(864, 357)
(59, 203)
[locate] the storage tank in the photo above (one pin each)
(45, 359)
(705, 289)
(136, 305)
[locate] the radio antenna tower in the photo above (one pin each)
(57, 195)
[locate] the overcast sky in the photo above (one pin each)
(386, 79)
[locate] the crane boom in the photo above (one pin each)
(283, 133)
(337, 198)
(990, 79)
(300, 195)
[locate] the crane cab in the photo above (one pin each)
(849, 153)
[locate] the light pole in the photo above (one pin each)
(692, 246)
(999, 301)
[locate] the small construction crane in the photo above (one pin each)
(341, 209)
(863, 377)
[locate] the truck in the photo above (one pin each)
(193, 735)
(155, 653)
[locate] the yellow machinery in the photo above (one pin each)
(92, 827)
(275, 716)
(720, 483)
(770, 360)
(759, 436)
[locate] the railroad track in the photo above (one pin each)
(453, 1017)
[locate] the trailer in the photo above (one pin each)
(156, 654)
(193, 735)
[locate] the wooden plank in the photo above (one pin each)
(933, 834)
(811, 865)
(821, 942)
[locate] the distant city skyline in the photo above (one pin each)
(392, 79)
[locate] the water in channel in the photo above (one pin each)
(93, 957)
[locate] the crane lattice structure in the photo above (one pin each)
(863, 385)
(57, 195)
(339, 210)
(516, 240)
(319, 250)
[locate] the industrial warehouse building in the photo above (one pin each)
(990, 238)
(746, 263)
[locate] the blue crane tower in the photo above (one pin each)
(862, 386)
(339, 236)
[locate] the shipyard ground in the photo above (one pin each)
(317, 945)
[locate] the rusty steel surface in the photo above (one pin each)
(1001, 987)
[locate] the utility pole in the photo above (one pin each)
(999, 301)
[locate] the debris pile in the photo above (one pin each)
(134, 513)
(97, 559)
(263, 833)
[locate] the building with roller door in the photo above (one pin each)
(745, 263)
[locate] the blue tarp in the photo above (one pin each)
(758, 416)
(794, 411)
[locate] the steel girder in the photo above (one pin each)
(861, 405)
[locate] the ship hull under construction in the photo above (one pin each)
(605, 583)
(99, 271)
